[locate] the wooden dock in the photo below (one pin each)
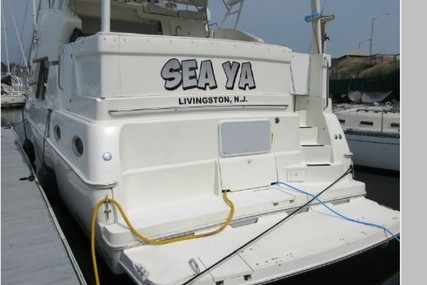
(34, 249)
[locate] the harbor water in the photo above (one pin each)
(377, 266)
(10, 116)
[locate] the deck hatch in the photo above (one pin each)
(244, 137)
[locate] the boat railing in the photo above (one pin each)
(143, 16)
(232, 9)
(192, 9)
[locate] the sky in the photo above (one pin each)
(275, 21)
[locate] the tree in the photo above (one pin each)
(350, 68)
(381, 70)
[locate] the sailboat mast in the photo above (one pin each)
(34, 15)
(17, 34)
(36, 9)
(5, 41)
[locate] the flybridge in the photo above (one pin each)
(156, 7)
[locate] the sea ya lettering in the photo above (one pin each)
(189, 75)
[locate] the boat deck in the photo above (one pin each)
(33, 248)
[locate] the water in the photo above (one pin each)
(10, 116)
(380, 266)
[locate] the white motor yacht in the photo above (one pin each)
(191, 154)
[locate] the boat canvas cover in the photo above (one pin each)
(7, 79)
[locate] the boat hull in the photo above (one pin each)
(375, 150)
(310, 239)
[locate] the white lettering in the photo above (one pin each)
(246, 77)
(184, 73)
(171, 73)
(231, 73)
(207, 75)
(189, 75)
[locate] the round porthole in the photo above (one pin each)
(57, 132)
(77, 146)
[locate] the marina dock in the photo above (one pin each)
(34, 249)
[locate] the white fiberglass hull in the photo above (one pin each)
(375, 150)
(312, 238)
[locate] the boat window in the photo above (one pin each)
(42, 79)
(366, 123)
(342, 121)
(395, 125)
(57, 132)
(77, 146)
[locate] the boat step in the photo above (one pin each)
(302, 117)
(312, 172)
(316, 154)
(308, 135)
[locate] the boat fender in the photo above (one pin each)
(29, 151)
(48, 182)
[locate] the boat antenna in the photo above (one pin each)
(5, 41)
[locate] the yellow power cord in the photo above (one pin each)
(146, 239)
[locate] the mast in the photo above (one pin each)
(5, 41)
(34, 15)
(318, 22)
(317, 34)
(35, 33)
(17, 34)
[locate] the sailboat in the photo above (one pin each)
(191, 154)
(13, 87)
(373, 134)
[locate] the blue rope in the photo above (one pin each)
(337, 213)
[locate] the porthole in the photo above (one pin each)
(78, 146)
(57, 132)
(366, 123)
